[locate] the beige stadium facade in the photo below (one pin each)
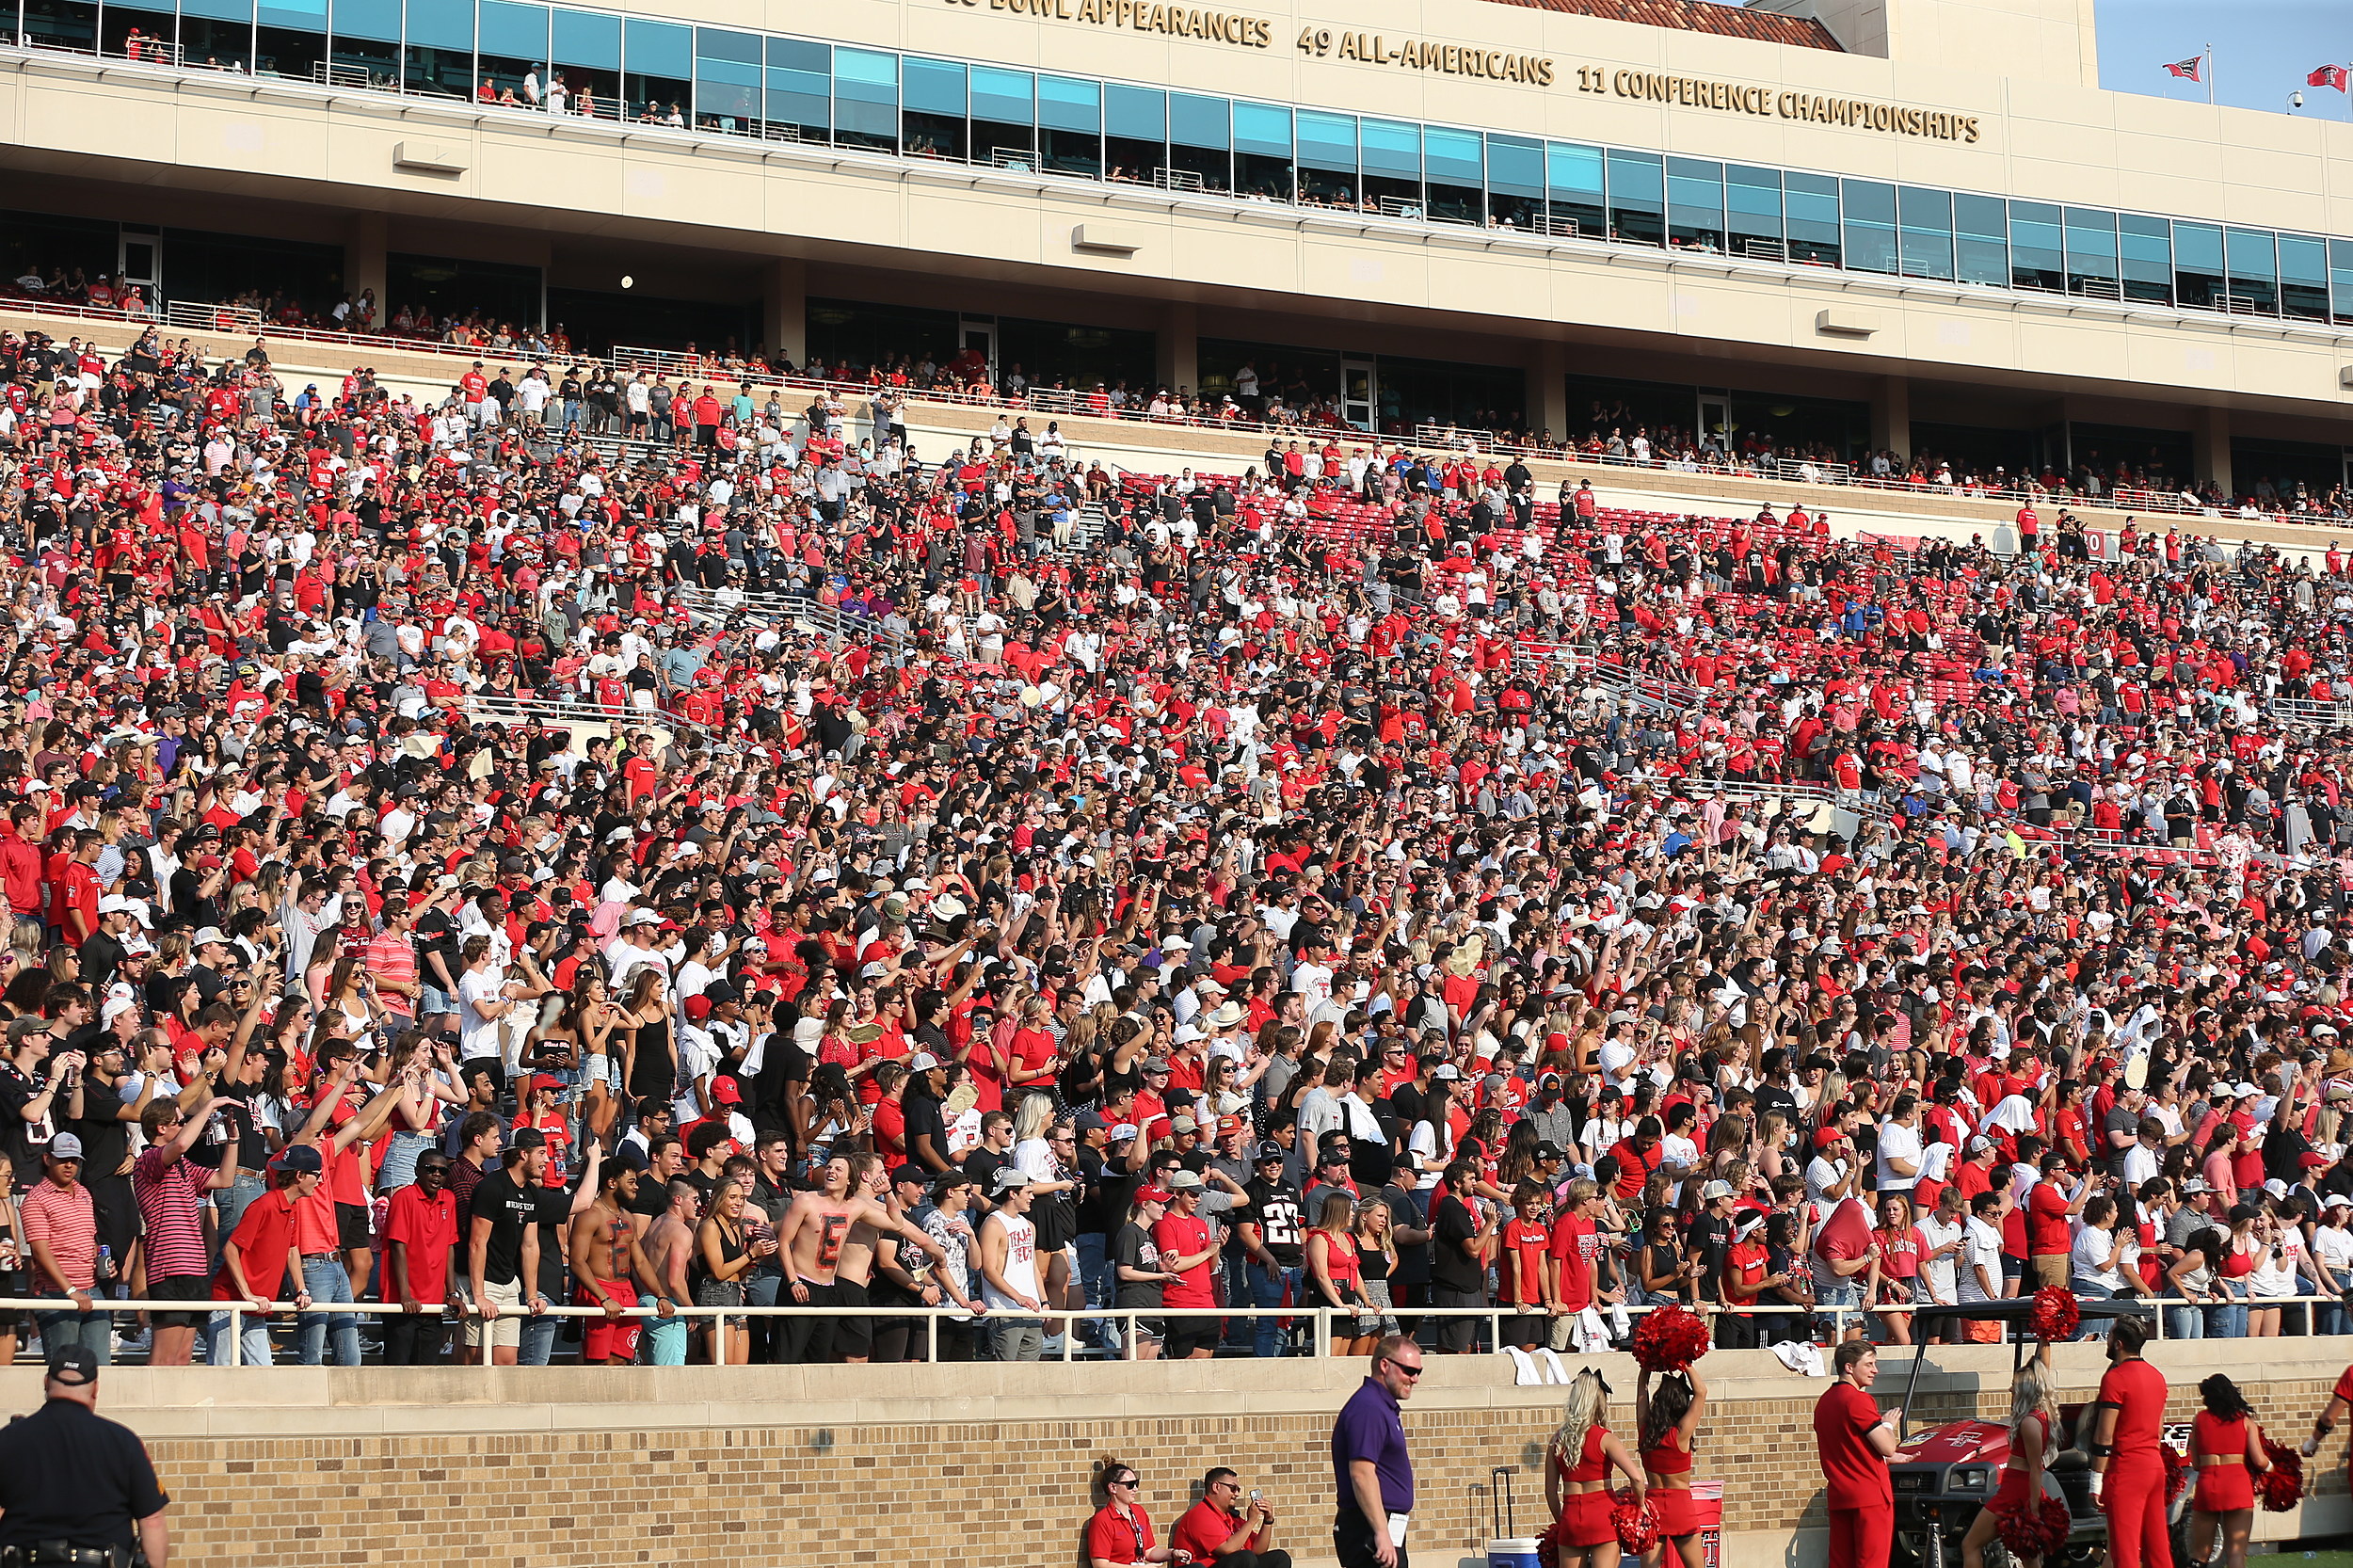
(1989, 99)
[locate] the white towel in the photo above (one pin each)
(1552, 1365)
(1524, 1370)
(1801, 1355)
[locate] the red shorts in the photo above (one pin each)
(1678, 1516)
(605, 1338)
(1585, 1519)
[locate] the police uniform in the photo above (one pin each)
(74, 1484)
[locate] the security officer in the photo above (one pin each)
(77, 1490)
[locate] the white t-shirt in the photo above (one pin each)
(1899, 1143)
(478, 1036)
(2094, 1257)
(1937, 1274)
(1983, 1249)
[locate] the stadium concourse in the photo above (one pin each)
(504, 852)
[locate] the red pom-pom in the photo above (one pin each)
(2282, 1487)
(1548, 1546)
(2176, 1474)
(1670, 1338)
(1636, 1527)
(2056, 1316)
(2033, 1532)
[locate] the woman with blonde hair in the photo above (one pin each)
(1577, 1462)
(1335, 1274)
(2034, 1415)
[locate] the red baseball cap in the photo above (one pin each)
(1827, 1136)
(1152, 1194)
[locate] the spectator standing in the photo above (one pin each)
(1188, 1251)
(260, 1259)
(1461, 1240)
(171, 1191)
(62, 1232)
(420, 1231)
(1009, 1274)
(1853, 1438)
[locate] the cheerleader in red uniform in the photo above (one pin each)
(1576, 1476)
(2033, 1418)
(2227, 1447)
(1667, 1421)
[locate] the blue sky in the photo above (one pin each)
(2263, 49)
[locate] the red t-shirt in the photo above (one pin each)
(1853, 1472)
(1203, 1531)
(1181, 1235)
(1576, 1241)
(2137, 1391)
(1525, 1244)
(263, 1238)
(428, 1228)
(2046, 1221)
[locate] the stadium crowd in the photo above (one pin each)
(440, 877)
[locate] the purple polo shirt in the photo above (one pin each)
(1370, 1427)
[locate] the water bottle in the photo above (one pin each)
(102, 1271)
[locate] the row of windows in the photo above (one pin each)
(760, 85)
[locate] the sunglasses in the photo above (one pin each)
(1412, 1372)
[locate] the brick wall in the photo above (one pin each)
(987, 1466)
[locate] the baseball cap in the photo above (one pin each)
(910, 1172)
(724, 1091)
(1123, 1131)
(923, 1062)
(1715, 1189)
(73, 1365)
(1183, 1181)
(65, 1145)
(1152, 1194)
(526, 1138)
(1087, 1121)
(697, 1008)
(1548, 1149)
(299, 1158)
(1269, 1149)
(1008, 1177)
(1445, 1072)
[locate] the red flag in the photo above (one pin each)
(2187, 68)
(2326, 76)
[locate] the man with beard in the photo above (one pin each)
(609, 1268)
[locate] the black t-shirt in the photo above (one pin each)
(1711, 1238)
(1273, 1208)
(509, 1208)
(106, 1136)
(1133, 1248)
(1450, 1267)
(923, 1114)
(233, 1121)
(23, 1140)
(69, 1474)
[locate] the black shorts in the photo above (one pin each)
(351, 1226)
(854, 1335)
(1187, 1335)
(180, 1287)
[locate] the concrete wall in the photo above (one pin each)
(972, 1464)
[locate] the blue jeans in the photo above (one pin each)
(1094, 1267)
(664, 1343)
(2187, 1321)
(2331, 1318)
(538, 1340)
(252, 1341)
(325, 1278)
(2087, 1291)
(1272, 1287)
(231, 1202)
(93, 1330)
(2230, 1322)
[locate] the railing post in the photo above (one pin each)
(931, 1334)
(236, 1333)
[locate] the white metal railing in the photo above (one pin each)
(725, 1321)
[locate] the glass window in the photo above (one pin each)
(1927, 223)
(1392, 160)
(1066, 103)
(223, 10)
(1262, 151)
(2091, 253)
(1637, 198)
(2198, 277)
(376, 19)
(444, 24)
(1753, 211)
(589, 38)
(2146, 249)
(1004, 97)
(1981, 240)
(800, 89)
(2038, 247)
(291, 41)
(1870, 225)
(932, 86)
(2304, 278)
(1197, 121)
(2340, 279)
(1454, 169)
(521, 31)
(1138, 112)
(2254, 283)
(866, 99)
(1327, 158)
(1516, 181)
(728, 67)
(1816, 232)
(1199, 136)
(1574, 180)
(308, 15)
(655, 48)
(657, 68)
(1695, 204)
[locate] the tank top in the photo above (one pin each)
(1340, 1262)
(1592, 1464)
(2018, 1449)
(1666, 1459)
(1371, 1262)
(2209, 1436)
(2237, 1264)
(1020, 1271)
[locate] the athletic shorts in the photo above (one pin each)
(181, 1287)
(605, 1338)
(351, 1226)
(853, 1335)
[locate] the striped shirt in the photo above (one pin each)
(171, 1201)
(63, 1218)
(392, 956)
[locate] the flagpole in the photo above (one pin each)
(2210, 75)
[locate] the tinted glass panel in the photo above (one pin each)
(1752, 210)
(2304, 278)
(1138, 112)
(1695, 204)
(2340, 279)
(2146, 249)
(866, 98)
(521, 31)
(800, 86)
(1636, 196)
(1327, 140)
(932, 86)
(1574, 180)
(444, 24)
(1392, 149)
(1812, 203)
(1196, 121)
(1515, 167)
(1871, 225)
(1926, 249)
(2197, 276)
(2254, 286)
(1008, 97)
(1981, 240)
(1066, 103)
(1453, 157)
(1262, 130)
(2091, 252)
(655, 48)
(2038, 247)
(590, 39)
